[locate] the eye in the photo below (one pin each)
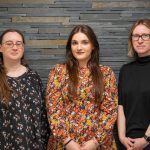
(135, 36)
(85, 42)
(145, 35)
(19, 43)
(74, 43)
(9, 43)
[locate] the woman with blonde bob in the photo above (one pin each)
(134, 90)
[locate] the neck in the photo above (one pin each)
(144, 55)
(14, 69)
(82, 65)
(12, 66)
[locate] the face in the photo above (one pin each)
(141, 46)
(12, 47)
(81, 48)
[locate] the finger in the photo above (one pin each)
(130, 148)
(132, 140)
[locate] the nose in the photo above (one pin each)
(140, 39)
(79, 47)
(14, 47)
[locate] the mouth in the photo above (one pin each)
(140, 46)
(80, 53)
(14, 54)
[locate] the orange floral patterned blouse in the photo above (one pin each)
(81, 119)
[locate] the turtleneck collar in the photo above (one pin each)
(143, 60)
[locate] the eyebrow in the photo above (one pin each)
(11, 41)
(82, 40)
(139, 34)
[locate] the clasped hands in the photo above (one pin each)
(134, 144)
(89, 145)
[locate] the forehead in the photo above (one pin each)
(12, 36)
(141, 29)
(80, 36)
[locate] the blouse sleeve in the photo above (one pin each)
(108, 108)
(44, 127)
(55, 104)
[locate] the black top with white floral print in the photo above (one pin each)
(23, 126)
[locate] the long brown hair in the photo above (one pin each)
(93, 64)
(5, 90)
(131, 51)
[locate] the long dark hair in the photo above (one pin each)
(5, 90)
(93, 64)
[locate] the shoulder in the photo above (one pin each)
(106, 70)
(58, 69)
(33, 73)
(33, 76)
(127, 66)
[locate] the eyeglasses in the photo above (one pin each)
(145, 37)
(10, 44)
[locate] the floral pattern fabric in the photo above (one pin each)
(83, 118)
(24, 125)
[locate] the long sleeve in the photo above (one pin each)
(45, 130)
(55, 104)
(108, 108)
(120, 80)
(44, 126)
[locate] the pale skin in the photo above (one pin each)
(12, 55)
(127, 142)
(89, 145)
(81, 50)
(142, 48)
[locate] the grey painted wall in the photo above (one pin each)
(47, 23)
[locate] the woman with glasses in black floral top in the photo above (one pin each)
(23, 120)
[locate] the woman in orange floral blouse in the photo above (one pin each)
(82, 97)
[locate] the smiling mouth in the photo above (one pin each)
(14, 53)
(80, 52)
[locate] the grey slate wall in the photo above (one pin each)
(47, 23)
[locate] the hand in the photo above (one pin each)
(139, 144)
(73, 146)
(89, 145)
(127, 142)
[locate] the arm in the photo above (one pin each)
(55, 104)
(141, 143)
(108, 108)
(41, 126)
(45, 130)
(121, 121)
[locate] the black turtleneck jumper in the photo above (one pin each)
(134, 95)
